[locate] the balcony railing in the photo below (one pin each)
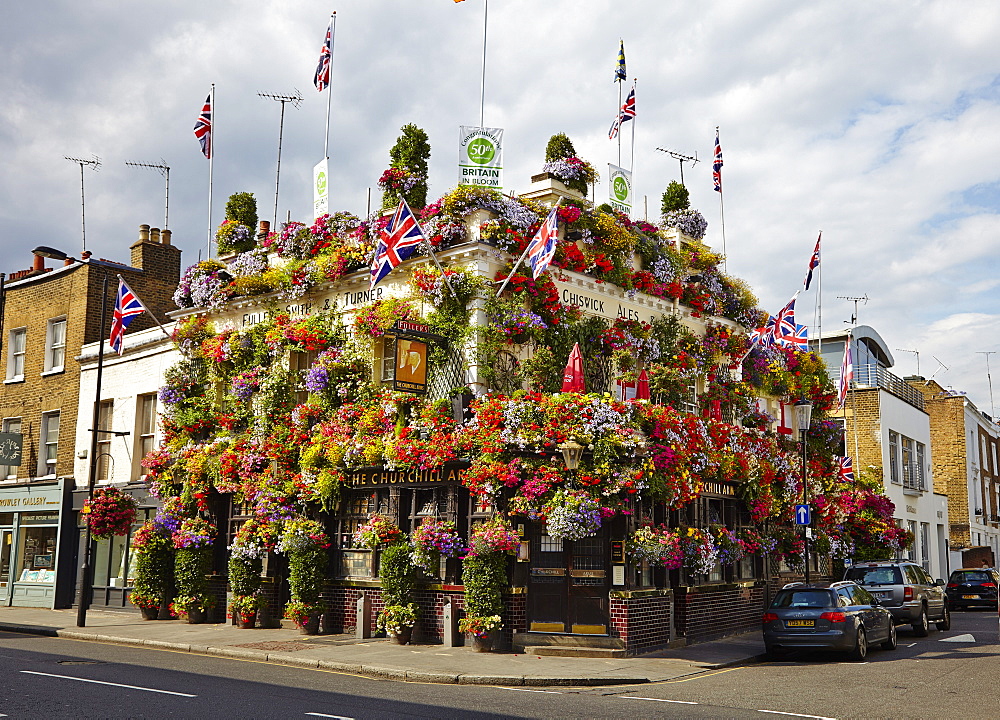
(869, 376)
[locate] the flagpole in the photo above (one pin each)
(854, 411)
(619, 129)
(520, 259)
(722, 216)
(165, 333)
(211, 161)
(329, 84)
(819, 299)
(631, 168)
(482, 86)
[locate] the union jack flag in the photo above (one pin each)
(784, 321)
(396, 243)
(846, 373)
(813, 263)
(322, 77)
(626, 113)
(763, 336)
(203, 127)
(846, 470)
(542, 247)
(717, 164)
(127, 307)
(799, 340)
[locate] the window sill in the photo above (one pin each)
(54, 371)
(14, 380)
(913, 492)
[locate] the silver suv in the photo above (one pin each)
(905, 590)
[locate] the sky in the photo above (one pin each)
(875, 123)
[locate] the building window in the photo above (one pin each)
(911, 550)
(893, 457)
(55, 345)
(16, 340)
(104, 460)
(920, 478)
(145, 440)
(48, 450)
(9, 472)
(925, 546)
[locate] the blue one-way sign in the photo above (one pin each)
(802, 515)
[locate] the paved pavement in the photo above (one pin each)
(382, 658)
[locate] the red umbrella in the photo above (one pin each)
(573, 375)
(642, 387)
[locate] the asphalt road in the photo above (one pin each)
(931, 677)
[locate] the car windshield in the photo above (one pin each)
(971, 577)
(874, 575)
(802, 599)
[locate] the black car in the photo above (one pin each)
(970, 587)
(827, 616)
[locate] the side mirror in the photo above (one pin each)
(939, 582)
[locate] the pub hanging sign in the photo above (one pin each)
(10, 448)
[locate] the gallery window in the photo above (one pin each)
(48, 450)
(55, 345)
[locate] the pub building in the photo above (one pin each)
(585, 593)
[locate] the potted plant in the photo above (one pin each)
(245, 608)
(377, 532)
(110, 512)
(305, 542)
(245, 565)
(397, 571)
(192, 562)
(485, 577)
(432, 539)
(151, 549)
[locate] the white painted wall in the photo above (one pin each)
(138, 371)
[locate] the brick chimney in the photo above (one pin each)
(153, 253)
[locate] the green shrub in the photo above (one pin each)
(675, 197)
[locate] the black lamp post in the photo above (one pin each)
(85, 567)
(803, 416)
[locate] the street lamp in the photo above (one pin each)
(803, 416)
(84, 580)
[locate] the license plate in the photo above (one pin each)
(970, 597)
(882, 596)
(800, 623)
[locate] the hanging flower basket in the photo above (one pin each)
(111, 512)
(378, 531)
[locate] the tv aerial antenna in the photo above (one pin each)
(915, 352)
(989, 380)
(295, 100)
(941, 366)
(682, 158)
(855, 300)
(94, 163)
(165, 171)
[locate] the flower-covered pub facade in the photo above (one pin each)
(407, 450)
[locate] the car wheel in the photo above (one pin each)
(945, 622)
(772, 653)
(921, 628)
(890, 643)
(860, 651)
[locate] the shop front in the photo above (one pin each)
(32, 551)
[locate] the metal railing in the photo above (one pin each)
(866, 376)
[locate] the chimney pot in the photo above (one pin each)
(38, 264)
(68, 261)
(154, 235)
(143, 233)
(265, 228)
(86, 254)
(165, 236)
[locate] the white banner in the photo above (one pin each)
(321, 199)
(480, 156)
(620, 189)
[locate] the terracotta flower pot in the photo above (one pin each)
(403, 636)
(310, 626)
(149, 613)
(247, 621)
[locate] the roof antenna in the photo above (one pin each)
(915, 352)
(165, 171)
(941, 366)
(993, 413)
(295, 100)
(682, 158)
(855, 300)
(95, 163)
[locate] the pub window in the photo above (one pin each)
(386, 360)
(299, 362)
(145, 436)
(357, 506)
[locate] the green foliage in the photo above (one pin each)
(675, 197)
(485, 579)
(412, 151)
(153, 571)
(242, 208)
(397, 573)
(191, 565)
(559, 147)
(306, 571)
(244, 574)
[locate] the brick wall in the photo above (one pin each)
(707, 613)
(643, 623)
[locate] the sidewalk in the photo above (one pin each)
(382, 658)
